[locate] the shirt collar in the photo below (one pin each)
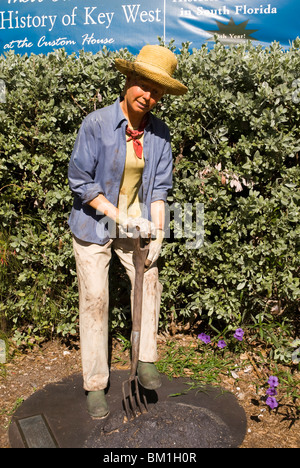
(118, 115)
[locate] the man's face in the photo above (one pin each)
(142, 95)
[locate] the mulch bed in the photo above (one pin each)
(53, 361)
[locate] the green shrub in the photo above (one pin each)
(237, 136)
(236, 142)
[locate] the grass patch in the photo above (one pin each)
(203, 366)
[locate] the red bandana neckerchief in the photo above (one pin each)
(135, 135)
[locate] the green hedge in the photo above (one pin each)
(236, 142)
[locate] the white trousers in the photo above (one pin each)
(92, 264)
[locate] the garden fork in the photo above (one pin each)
(132, 401)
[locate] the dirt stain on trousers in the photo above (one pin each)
(92, 264)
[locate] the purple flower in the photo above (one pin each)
(221, 344)
(271, 391)
(204, 338)
(239, 333)
(273, 381)
(201, 336)
(272, 402)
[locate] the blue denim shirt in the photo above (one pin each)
(97, 164)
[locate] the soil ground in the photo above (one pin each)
(53, 361)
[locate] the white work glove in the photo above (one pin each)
(128, 226)
(155, 248)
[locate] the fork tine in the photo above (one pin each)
(125, 399)
(137, 395)
(132, 401)
(145, 402)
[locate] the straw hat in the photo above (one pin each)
(156, 63)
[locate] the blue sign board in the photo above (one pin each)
(39, 26)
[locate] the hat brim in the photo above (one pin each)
(152, 73)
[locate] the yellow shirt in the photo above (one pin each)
(131, 181)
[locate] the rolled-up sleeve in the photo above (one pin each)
(83, 163)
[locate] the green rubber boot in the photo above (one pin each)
(148, 375)
(97, 405)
